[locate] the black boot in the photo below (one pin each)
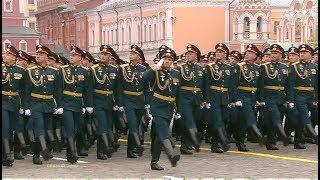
(80, 145)
(313, 133)
(112, 139)
(173, 157)
(17, 154)
(139, 147)
(23, 146)
(7, 159)
(36, 150)
(195, 139)
(242, 147)
(271, 146)
(100, 154)
(107, 149)
(155, 155)
(130, 147)
(215, 147)
(262, 140)
(45, 152)
(223, 139)
(51, 142)
(72, 154)
(184, 148)
(58, 143)
(282, 133)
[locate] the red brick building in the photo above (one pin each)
(61, 27)
(13, 31)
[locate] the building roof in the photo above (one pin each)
(19, 30)
(272, 3)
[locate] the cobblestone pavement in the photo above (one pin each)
(258, 163)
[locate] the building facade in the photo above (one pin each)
(30, 7)
(14, 30)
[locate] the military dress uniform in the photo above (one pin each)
(219, 94)
(13, 78)
(189, 99)
(246, 96)
(162, 104)
(104, 100)
(76, 97)
(274, 84)
(131, 96)
(43, 92)
(304, 89)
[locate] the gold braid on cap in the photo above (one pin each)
(38, 82)
(247, 78)
(167, 82)
(66, 79)
(302, 76)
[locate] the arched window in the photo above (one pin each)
(259, 24)
(163, 29)
(6, 43)
(298, 30)
(246, 24)
(92, 37)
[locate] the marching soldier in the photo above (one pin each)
(131, 95)
(104, 99)
(304, 86)
(166, 83)
(13, 78)
(42, 99)
(274, 84)
(76, 98)
(266, 55)
(211, 56)
(246, 82)
(219, 94)
(190, 97)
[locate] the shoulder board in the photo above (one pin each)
(295, 63)
(3, 64)
(256, 64)
(20, 67)
(33, 67)
(113, 66)
(53, 68)
(94, 66)
(141, 65)
(212, 63)
(241, 63)
(64, 66)
(85, 68)
(124, 65)
(266, 63)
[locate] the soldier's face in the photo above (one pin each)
(22, 62)
(134, 58)
(9, 58)
(113, 61)
(306, 56)
(293, 58)
(250, 56)
(75, 58)
(275, 56)
(167, 62)
(266, 58)
(220, 55)
(233, 60)
(315, 58)
(42, 58)
(105, 58)
(191, 57)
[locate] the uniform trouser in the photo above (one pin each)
(41, 121)
(218, 116)
(274, 114)
(104, 120)
(9, 121)
(262, 120)
(189, 118)
(201, 121)
(134, 118)
(291, 120)
(303, 109)
(72, 121)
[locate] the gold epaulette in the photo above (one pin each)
(241, 63)
(20, 66)
(256, 64)
(94, 66)
(212, 63)
(85, 68)
(266, 63)
(53, 68)
(295, 63)
(124, 65)
(141, 65)
(3, 64)
(64, 66)
(113, 65)
(33, 67)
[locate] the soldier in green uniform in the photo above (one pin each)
(304, 93)
(274, 84)
(76, 98)
(219, 94)
(166, 85)
(190, 97)
(246, 82)
(43, 89)
(13, 78)
(104, 99)
(131, 96)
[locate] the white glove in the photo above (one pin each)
(121, 109)
(230, 105)
(208, 105)
(55, 111)
(21, 111)
(257, 103)
(291, 105)
(177, 116)
(147, 107)
(202, 105)
(60, 111)
(115, 108)
(238, 103)
(315, 103)
(27, 112)
(262, 103)
(83, 110)
(89, 110)
(159, 64)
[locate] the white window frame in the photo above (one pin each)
(4, 44)
(4, 4)
(23, 41)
